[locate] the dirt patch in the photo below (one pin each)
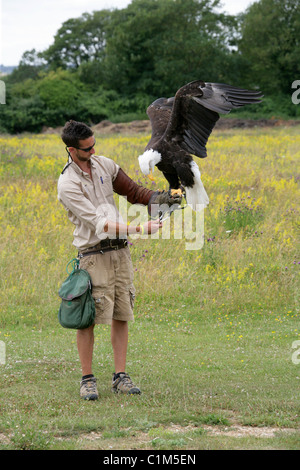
(244, 431)
(134, 127)
(134, 440)
(107, 127)
(230, 431)
(144, 126)
(4, 439)
(236, 123)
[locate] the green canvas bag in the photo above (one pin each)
(77, 308)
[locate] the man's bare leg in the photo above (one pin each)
(119, 341)
(85, 346)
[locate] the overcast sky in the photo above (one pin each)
(32, 24)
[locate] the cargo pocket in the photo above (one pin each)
(100, 301)
(101, 305)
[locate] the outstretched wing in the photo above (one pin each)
(196, 109)
(159, 113)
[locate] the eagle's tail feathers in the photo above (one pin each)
(196, 195)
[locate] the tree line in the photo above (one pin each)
(111, 64)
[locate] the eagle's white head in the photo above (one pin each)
(148, 160)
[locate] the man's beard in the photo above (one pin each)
(83, 159)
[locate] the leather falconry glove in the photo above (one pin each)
(161, 202)
(157, 201)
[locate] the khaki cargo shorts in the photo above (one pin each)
(112, 284)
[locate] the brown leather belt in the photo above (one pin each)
(104, 246)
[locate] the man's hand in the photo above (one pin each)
(152, 226)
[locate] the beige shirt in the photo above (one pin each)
(89, 202)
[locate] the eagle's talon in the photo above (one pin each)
(150, 176)
(177, 192)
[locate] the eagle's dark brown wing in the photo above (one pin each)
(196, 109)
(159, 113)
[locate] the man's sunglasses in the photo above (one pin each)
(88, 149)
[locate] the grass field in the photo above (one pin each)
(214, 346)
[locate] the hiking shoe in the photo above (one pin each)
(122, 383)
(88, 389)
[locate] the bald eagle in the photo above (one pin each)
(181, 126)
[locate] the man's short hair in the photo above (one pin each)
(74, 131)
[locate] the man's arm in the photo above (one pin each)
(119, 229)
(136, 194)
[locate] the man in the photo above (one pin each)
(85, 188)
